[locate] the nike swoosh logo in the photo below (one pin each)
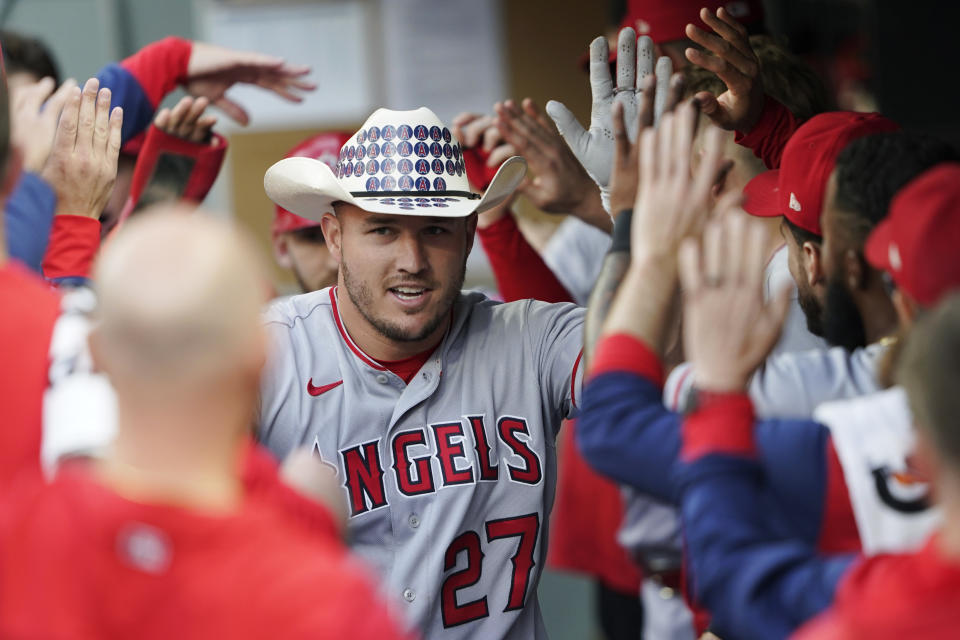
(316, 391)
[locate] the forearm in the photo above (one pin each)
(519, 270)
(769, 136)
(756, 583)
(643, 303)
(591, 210)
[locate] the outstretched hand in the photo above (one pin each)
(672, 202)
(82, 166)
(626, 157)
(735, 63)
(728, 329)
(187, 120)
(34, 114)
(594, 148)
(559, 183)
(212, 70)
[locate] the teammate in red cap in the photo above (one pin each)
(298, 243)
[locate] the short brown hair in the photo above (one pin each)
(929, 371)
(786, 78)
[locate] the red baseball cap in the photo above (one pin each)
(917, 242)
(324, 147)
(798, 186)
(666, 20)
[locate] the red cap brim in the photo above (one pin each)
(762, 195)
(877, 248)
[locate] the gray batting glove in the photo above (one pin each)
(594, 148)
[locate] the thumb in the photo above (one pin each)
(711, 107)
(233, 110)
(568, 126)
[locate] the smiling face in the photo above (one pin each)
(401, 273)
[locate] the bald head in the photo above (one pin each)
(179, 303)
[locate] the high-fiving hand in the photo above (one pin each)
(734, 61)
(187, 120)
(212, 70)
(728, 330)
(82, 166)
(34, 114)
(594, 148)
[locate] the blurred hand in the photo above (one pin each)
(306, 472)
(212, 70)
(739, 107)
(626, 172)
(34, 114)
(672, 202)
(560, 184)
(479, 132)
(187, 120)
(594, 147)
(728, 330)
(82, 165)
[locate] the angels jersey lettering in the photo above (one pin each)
(449, 479)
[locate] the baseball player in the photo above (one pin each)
(437, 408)
(298, 243)
(731, 492)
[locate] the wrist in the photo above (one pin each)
(718, 382)
(590, 209)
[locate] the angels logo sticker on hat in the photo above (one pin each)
(423, 184)
(404, 166)
(404, 132)
(388, 183)
(388, 132)
(451, 167)
(361, 152)
(423, 167)
(447, 151)
(373, 134)
(358, 170)
(436, 150)
(387, 165)
(405, 183)
(435, 134)
(420, 132)
(446, 134)
(351, 152)
(456, 152)
(388, 149)
(373, 150)
(373, 184)
(347, 169)
(439, 184)
(420, 149)
(361, 136)
(372, 167)
(438, 166)
(404, 149)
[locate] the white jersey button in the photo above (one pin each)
(409, 595)
(382, 378)
(414, 520)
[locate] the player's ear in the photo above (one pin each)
(281, 250)
(813, 263)
(330, 225)
(471, 230)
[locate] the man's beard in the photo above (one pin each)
(362, 299)
(812, 311)
(841, 319)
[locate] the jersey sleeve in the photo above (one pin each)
(557, 332)
(74, 241)
(792, 385)
(575, 255)
(519, 270)
(624, 431)
(769, 136)
(279, 407)
(140, 82)
(28, 216)
(756, 583)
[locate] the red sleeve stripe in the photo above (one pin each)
(573, 379)
(626, 353)
(367, 360)
(723, 423)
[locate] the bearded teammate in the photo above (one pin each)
(438, 408)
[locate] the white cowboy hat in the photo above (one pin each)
(400, 162)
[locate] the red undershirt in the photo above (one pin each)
(408, 367)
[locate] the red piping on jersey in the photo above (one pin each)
(676, 390)
(573, 379)
(346, 336)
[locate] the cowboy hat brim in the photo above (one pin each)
(308, 188)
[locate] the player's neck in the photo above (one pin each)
(375, 344)
(187, 454)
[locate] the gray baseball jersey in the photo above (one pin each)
(450, 479)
